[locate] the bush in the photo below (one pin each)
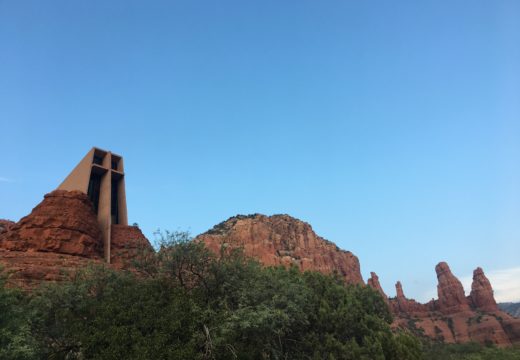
(16, 342)
(469, 351)
(188, 303)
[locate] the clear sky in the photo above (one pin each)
(392, 127)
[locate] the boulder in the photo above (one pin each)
(63, 223)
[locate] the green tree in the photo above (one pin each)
(104, 314)
(15, 339)
(185, 302)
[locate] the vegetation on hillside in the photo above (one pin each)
(512, 309)
(187, 303)
(469, 351)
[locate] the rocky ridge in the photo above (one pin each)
(283, 240)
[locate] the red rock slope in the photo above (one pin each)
(59, 236)
(5, 225)
(283, 240)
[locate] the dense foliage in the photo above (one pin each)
(470, 351)
(15, 339)
(187, 303)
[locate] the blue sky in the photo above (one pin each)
(392, 127)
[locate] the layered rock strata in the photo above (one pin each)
(5, 225)
(283, 240)
(63, 223)
(59, 236)
(30, 269)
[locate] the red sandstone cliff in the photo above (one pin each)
(5, 225)
(64, 223)
(283, 240)
(58, 237)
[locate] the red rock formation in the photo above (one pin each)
(450, 291)
(481, 295)
(64, 223)
(373, 282)
(5, 225)
(458, 327)
(399, 291)
(29, 269)
(403, 305)
(128, 242)
(60, 236)
(511, 326)
(455, 318)
(283, 240)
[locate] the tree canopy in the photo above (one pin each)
(184, 302)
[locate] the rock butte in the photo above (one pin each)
(283, 240)
(61, 235)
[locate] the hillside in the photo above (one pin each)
(512, 309)
(452, 318)
(61, 236)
